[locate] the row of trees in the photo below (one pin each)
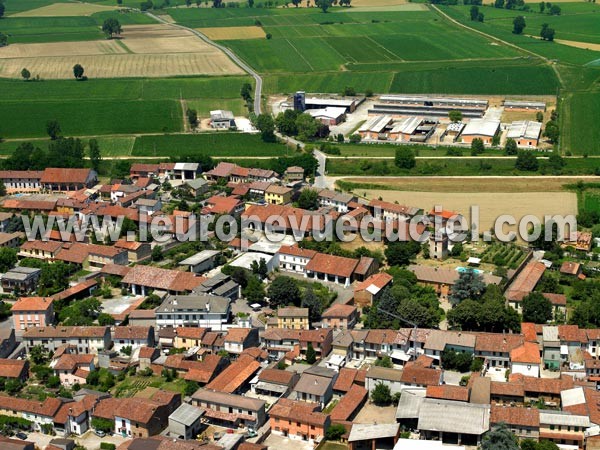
(546, 33)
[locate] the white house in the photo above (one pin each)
(294, 259)
(133, 336)
(196, 310)
(526, 360)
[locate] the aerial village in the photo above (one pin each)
(291, 344)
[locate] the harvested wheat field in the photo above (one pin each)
(230, 33)
(491, 205)
(577, 44)
(61, 49)
(65, 10)
(143, 51)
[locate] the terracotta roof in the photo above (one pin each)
(496, 342)
(115, 269)
(147, 352)
(298, 411)
(12, 368)
(70, 362)
(529, 332)
(60, 332)
(191, 332)
(511, 389)
(139, 410)
(570, 268)
(448, 392)
(292, 311)
(571, 333)
(46, 246)
(294, 250)
(65, 175)
(132, 332)
(237, 334)
(556, 299)
(234, 376)
(218, 204)
(276, 376)
(314, 336)
(339, 310)
(29, 174)
(204, 371)
(290, 218)
(141, 167)
(332, 265)
(32, 304)
(47, 408)
(74, 290)
(345, 379)
(223, 169)
(528, 353)
(165, 279)
(547, 385)
(129, 245)
(393, 207)
(526, 280)
(420, 375)
(349, 403)
(513, 416)
(444, 214)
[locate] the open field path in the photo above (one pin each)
(257, 78)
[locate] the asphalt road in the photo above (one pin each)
(258, 80)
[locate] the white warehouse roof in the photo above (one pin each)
(481, 127)
(376, 124)
(329, 112)
(524, 129)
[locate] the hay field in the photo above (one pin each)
(491, 205)
(143, 51)
(65, 10)
(577, 44)
(228, 33)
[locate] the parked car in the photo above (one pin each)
(21, 435)
(100, 433)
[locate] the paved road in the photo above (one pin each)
(257, 78)
(320, 177)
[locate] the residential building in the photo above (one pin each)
(279, 341)
(199, 310)
(30, 312)
(294, 258)
(235, 378)
(392, 378)
(337, 200)
(278, 195)
(370, 289)
(336, 269)
(188, 337)
(238, 339)
(294, 173)
(222, 119)
(292, 317)
(298, 420)
(8, 342)
(11, 240)
(136, 251)
(39, 413)
(526, 360)
(73, 368)
(315, 386)
(20, 280)
(21, 181)
(523, 422)
(197, 187)
(186, 171)
(388, 211)
(89, 339)
(274, 382)
(495, 348)
(339, 317)
(65, 180)
(230, 410)
(133, 337)
(185, 422)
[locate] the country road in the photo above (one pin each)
(257, 78)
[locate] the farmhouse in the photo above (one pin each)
(222, 119)
(21, 181)
(65, 180)
(90, 339)
(229, 409)
(526, 133)
(484, 129)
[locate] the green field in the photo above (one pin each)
(97, 107)
(59, 29)
(214, 144)
(455, 167)
(580, 130)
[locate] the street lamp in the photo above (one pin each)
(414, 325)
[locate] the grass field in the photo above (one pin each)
(114, 106)
(65, 10)
(213, 144)
(580, 130)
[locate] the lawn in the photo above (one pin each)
(214, 144)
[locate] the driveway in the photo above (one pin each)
(276, 441)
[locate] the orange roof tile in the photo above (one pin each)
(528, 353)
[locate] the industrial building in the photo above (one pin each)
(526, 133)
(330, 115)
(300, 102)
(408, 129)
(516, 105)
(400, 105)
(484, 129)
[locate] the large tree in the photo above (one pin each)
(284, 291)
(307, 127)
(536, 308)
(311, 301)
(111, 27)
(286, 122)
(405, 158)
(2, 9)
(519, 24)
(469, 285)
(53, 129)
(309, 199)
(78, 71)
(8, 258)
(266, 126)
(381, 395)
(323, 4)
(94, 154)
(526, 161)
(399, 253)
(499, 438)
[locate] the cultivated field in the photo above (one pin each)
(230, 33)
(144, 51)
(65, 10)
(491, 205)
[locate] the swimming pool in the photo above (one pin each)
(465, 269)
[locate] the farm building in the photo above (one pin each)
(330, 115)
(399, 105)
(375, 127)
(220, 118)
(516, 105)
(414, 129)
(300, 102)
(484, 129)
(525, 132)
(454, 129)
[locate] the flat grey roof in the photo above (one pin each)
(187, 414)
(196, 302)
(368, 431)
(221, 398)
(199, 257)
(454, 417)
(561, 418)
(410, 403)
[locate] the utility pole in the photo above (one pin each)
(414, 325)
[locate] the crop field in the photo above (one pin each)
(203, 106)
(65, 10)
(213, 144)
(143, 51)
(581, 134)
(229, 33)
(491, 204)
(118, 106)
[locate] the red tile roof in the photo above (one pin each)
(339, 310)
(345, 379)
(204, 371)
(65, 175)
(570, 268)
(529, 332)
(298, 411)
(276, 376)
(420, 375)
(332, 265)
(32, 304)
(526, 280)
(12, 368)
(528, 353)
(234, 376)
(513, 416)
(157, 278)
(132, 332)
(294, 250)
(448, 392)
(379, 280)
(349, 403)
